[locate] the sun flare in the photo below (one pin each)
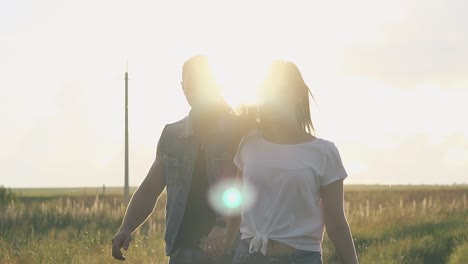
(240, 78)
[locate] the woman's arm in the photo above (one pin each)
(335, 222)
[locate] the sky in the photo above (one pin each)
(390, 79)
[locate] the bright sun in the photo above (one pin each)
(240, 77)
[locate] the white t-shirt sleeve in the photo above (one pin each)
(238, 157)
(333, 168)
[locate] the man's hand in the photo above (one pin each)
(121, 240)
(214, 244)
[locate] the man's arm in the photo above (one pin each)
(141, 206)
(335, 222)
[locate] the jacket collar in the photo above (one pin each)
(188, 123)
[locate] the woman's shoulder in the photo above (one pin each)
(252, 135)
(325, 145)
(251, 138)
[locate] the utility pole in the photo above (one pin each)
(126, 187)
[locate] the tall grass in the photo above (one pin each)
(399, 225)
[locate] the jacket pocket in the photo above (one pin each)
(171, 160)
(174, 166)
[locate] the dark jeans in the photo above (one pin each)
(242, 256)
(197, 256)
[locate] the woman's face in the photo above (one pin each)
(282, 91)
(280, 102)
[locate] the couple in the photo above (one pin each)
(297, 178)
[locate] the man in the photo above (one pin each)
(193, 155)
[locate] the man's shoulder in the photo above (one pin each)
(230, 120)
(176, 125)
(238, 124)
(179, 122)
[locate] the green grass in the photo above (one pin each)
(398, 224)
(459, 254)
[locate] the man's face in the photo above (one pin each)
(199, 93)
(199, 85)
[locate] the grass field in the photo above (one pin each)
(397, 224)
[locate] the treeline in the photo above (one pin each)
(6, 195)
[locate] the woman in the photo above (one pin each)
(297, 178)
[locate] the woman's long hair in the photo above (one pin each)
(287, 73)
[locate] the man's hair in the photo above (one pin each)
(198, 69)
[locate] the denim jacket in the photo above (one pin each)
(179, 147)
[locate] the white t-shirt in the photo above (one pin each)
(286, 179)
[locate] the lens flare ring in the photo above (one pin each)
(228, 197)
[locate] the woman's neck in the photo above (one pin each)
(285, 134)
